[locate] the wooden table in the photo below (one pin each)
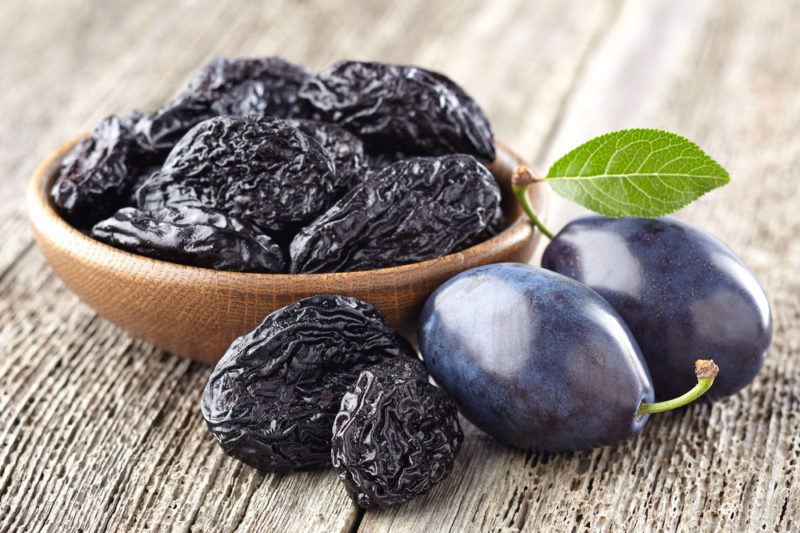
(101, 431)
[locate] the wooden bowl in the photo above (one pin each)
(197, 312)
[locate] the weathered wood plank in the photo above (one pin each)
(16, 238)
(100, 431)
(724, 74)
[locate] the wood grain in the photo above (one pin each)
(100, 431)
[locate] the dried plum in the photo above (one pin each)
(271, 400)
(395, 107)
(395, 436)
(159, 131)
(345, 149)
(240, 87)
(264, 87)
(192, 236)
(260, 170)
(96, 176)
(413, 210)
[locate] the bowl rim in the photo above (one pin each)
(39, 204)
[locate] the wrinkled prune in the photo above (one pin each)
(259, 170)
(264, 87)
(192, 236)
(413, 210)
(395, 436)
(345, 149)
(272, 398)
(394, 107)
(96, 176)
(240, 87)
(159, 131)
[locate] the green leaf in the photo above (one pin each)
(637, 172)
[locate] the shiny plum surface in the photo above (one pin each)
(534, 358)
(683, 293)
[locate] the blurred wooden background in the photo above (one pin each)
(99, 431)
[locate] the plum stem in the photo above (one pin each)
(520, 181)
(705, 370)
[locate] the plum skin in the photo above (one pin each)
(683, 293)
(534, 358)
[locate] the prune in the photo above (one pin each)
(240, 87)
(345, 149)
(395, 436)
(159, 131)
(192, 236)
(535, 359)
(400, 108)
(263, 87)
(413, 210)
(680, 290)
(273, 396)
(96, 176)
(259, 170)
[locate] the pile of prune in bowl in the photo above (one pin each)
(260, 165)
